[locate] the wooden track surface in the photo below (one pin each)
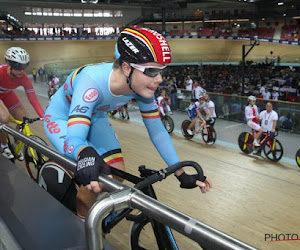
(251, 196)
(183, 50)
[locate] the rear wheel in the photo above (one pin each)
(168, 123)
(209, 135)
(298, 158)
(33, 159)
(273, 150)
(184, 126)
(245, 142)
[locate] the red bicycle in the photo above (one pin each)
(272, 148)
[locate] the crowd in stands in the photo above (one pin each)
(265, 33)
(227, 79)
(290, 33)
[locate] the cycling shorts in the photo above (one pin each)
(192, 113)
(10, 100)
(253, 125)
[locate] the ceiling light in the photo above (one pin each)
(280, 3)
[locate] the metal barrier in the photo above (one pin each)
(125, 196)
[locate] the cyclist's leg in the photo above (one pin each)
(4, 118)
(15, 108)
(103, 138)
(258, 130)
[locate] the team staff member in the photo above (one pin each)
(79, 126)
(269, 119)
(12, 75)
(210, 111)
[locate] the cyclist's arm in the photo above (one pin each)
(80, 114)
(199, 114)
(249, 114)
(30, 92)
(157, 133)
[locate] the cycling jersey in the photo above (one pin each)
(192, 109)
(76, 116)
(251, 113)
(8, 96)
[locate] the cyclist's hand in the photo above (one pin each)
(89, 166)
(191, 181)
(205, 185)
(272, 130)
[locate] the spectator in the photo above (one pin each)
(288, 122)
(34, 74)
(266, 94)
(173, 91)
(198, 91)
(188, 83)
(41, 72)
(275, 95)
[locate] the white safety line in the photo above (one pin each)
(236, 125)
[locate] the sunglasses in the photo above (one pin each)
(150, 71)
(18, 66)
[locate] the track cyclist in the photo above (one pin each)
(194, 112)
(252, 117)
(12, 75)
(76, 123)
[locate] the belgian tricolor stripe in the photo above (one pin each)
(143, 38)
(77, 71)
(69, 98)
(152, 114)
(78, 119)
(113, 156)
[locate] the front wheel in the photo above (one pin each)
(168, 123)
(142, 236)
(298, 158)
(245, 142)
(209, 135)
(184, 127)
(273, 150)
(33, 159)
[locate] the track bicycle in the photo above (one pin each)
(208, 132)
(272, 148)
(141, 224)
(166, 120)
(121, 111)
(298, 158)
(33, 159)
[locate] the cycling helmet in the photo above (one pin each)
(18, 55)
(142, 45)
(117, 54)
(251, 98)
(202, 98)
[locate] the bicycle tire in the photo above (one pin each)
(205, 135)
(168, 123)
(298, 158)
(245, 142)
(135, 231)
(272, 154)
(184, 126)
(37, 159)
(59, 182)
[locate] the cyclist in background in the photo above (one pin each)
(269, 118)
(163, 101)
(12, 75)
(252, 117)
(194, 111)
(78, 127)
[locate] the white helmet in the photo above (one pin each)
(251, 98)
(18, 55)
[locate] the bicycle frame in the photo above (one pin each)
(25, 129)
(262, 142)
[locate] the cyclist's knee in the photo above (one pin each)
(4, 117)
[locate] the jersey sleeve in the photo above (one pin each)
(248, 113)
(30, 92)
(157, 132)
(85, 96)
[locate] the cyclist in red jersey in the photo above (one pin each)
(12, 75)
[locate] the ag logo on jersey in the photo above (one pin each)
(90, 95)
